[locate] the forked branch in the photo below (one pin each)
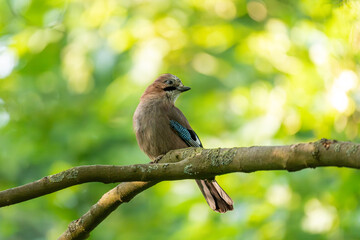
(191, 163)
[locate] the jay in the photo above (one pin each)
(161, 127)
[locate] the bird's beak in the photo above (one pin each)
(183, 88)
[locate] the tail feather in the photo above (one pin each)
(215, 196)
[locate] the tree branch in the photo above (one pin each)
(191, 163)
(124, 192)
(197, 163)
(200, 162)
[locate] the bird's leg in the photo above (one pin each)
(157, 159)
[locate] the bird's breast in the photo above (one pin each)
(153, 132)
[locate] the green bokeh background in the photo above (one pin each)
(262, 73)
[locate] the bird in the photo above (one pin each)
(160, 127)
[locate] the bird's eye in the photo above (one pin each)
(169, 82)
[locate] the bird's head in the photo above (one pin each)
(166, 85)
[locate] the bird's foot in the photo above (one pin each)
(157, 159)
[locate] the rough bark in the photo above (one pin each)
(197, 163)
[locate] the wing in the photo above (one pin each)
(187, 135)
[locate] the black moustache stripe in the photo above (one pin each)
(169, 88)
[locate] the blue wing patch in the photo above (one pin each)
(189, 136)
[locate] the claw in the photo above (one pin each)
(157, 159)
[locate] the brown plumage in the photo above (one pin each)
(156, 136)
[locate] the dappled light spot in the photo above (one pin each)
(148, 59)
(355, 36)
(77, 68)
(339, 100)
(271, 104)
(225, 9)
(98, 12)
(257, 10)
(205, 64)
(38, 41)
(273, 47)
(199, 213)
(120, 40)
(41, 38)
(279, 195)
(340, 123)
(141, 28)
(172, 31)
(4, 115)
(292, 122)
(319, 54)
(319, 218)
(8, 60)
(346, 81)
(181, 192)
(76, 65)
(277, 99)
(184, 189)
(218, 37)
(260, 130)
(168, 27)
(53, 17)
(238, 103)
